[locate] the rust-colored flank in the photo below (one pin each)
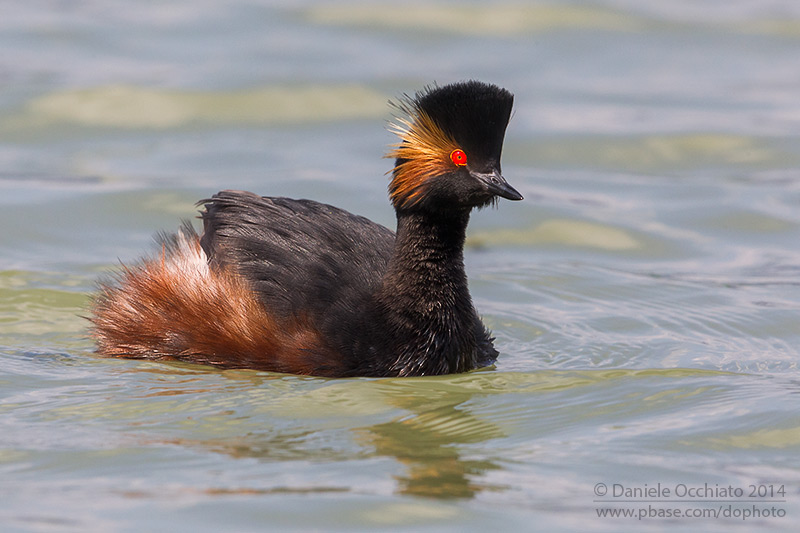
(176, 306)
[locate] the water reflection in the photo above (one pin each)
(431, 441)
(435, 465)
(425, 426)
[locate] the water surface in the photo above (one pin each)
(644, 296)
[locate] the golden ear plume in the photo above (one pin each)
(424, 150)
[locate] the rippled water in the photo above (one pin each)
(645, 296)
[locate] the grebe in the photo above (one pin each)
(302, 287)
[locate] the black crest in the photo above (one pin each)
(474, 113)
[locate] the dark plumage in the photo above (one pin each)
(303, 287)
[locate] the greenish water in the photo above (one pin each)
(645, 296)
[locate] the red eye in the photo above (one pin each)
(458, 157)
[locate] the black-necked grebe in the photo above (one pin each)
(302, 287)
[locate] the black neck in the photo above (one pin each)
(425, 295)
(429, 244)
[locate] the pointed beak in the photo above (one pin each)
(497, 185)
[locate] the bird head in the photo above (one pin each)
(448, 155)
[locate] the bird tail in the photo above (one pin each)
(177, 306)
